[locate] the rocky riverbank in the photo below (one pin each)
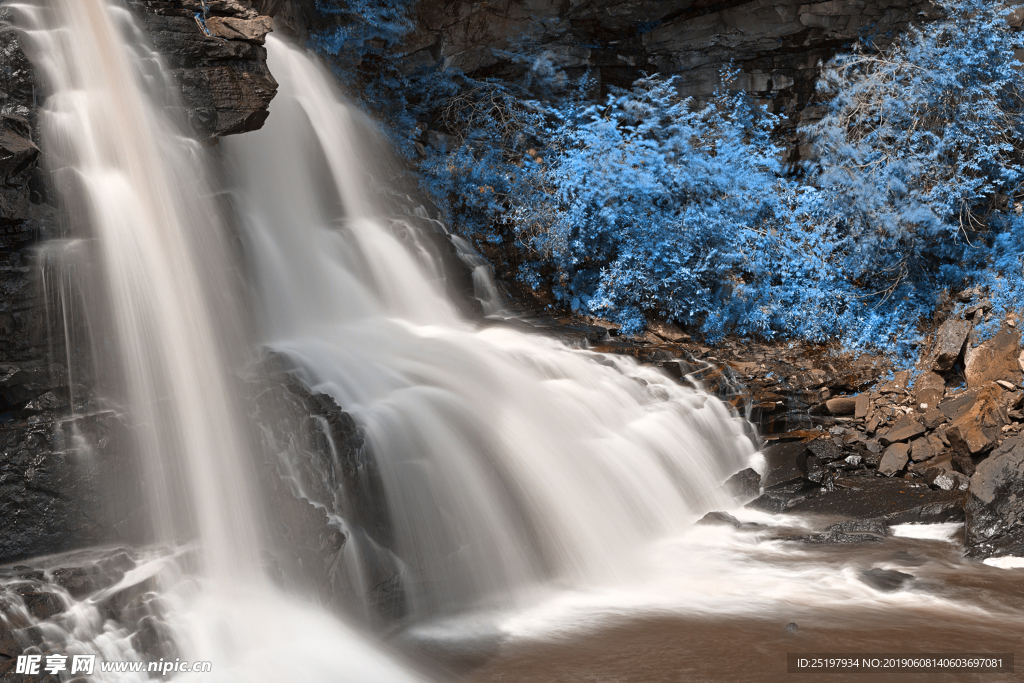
(846, 437)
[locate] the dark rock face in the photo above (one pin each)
(776, 44)
(66, 478)
(67, 483)
(995, 507)
(317, 472)
(217, 58)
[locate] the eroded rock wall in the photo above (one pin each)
(66, 476)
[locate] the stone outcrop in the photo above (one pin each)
(317, 471)
(215, 51)
(995, 509)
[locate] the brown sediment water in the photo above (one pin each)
(692, 650)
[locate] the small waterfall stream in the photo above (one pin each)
(134, 190)
(507, 458)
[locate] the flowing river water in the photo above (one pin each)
(543, 498)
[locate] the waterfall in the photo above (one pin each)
(134, 189)
(507, 458)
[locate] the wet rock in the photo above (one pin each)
(17, 152)
(994, 359)
(871, 527)
(906, 428)
(894, 501)
(154, 639)
(226, 84)
(41, 604)
(783, 497)
(719, 519)
(744, 485)
(894, 459)
(887, 580)
(78, 581)
(995, 507)
(826, 450)
(949, 480)
(785, 463)
(949, 344)
(234, 28)
(836, 537)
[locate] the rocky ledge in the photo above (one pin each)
(846, 437)
(215, 50)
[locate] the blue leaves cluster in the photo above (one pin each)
(648, 204)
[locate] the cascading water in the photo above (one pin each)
(506, 457)
(133, 188)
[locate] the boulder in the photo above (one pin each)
(977, 419)
(950, 481)
(940, 463)
(744, 485)
(927, 399)
(826, 450)
(894, 501)
(719, 519)
(785, 463)
(926, 448)
(869, 527)
(668, 332)
(887, 580)
(994, 359)
(949, 344)
(929, 381)
(995, 507)
(906, 428)
(932, 418)
(842, 405)
(894, 459)
(862, 406)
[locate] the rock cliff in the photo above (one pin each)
(60, 453)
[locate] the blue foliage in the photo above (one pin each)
(648, 204)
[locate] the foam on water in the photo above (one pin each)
(507, 458)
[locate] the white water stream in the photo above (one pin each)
(507, 458)
(134, 187)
